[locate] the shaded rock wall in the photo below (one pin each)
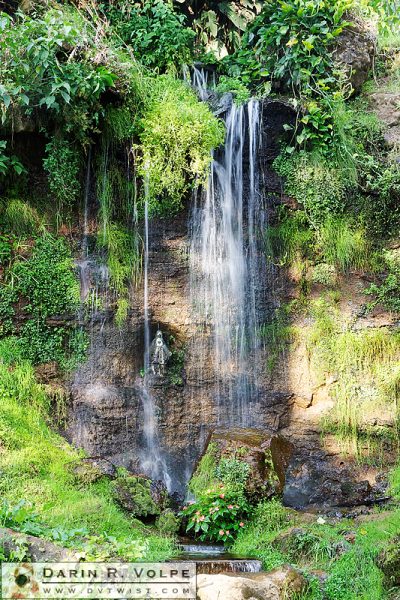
(107, 415)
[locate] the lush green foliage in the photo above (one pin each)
(7, 162)
(41, 67)
(177, 135)
(63, 165)
(300, 33)
(42, 280)
(154, 30)
(219, 25)
(218, 515)
(315, 183)
(36, 466)
(233, 473)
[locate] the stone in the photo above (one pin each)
(37, 549)
(85, 472)
(278, 584)
(267, 455)
(235, 587)
(133, 494)
(322, 482)
(355, 51)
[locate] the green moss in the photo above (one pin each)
(204, 477)
(168, 523)
(134, 495)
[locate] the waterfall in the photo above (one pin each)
(152, 460)
(226, 264)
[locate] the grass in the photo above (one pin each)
(366, 367)
(37, 466)
(346, 551)
(20, 218)
(343, 244)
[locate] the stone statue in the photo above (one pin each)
(159, 354)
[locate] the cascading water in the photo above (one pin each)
(152, 461)
(226, 264)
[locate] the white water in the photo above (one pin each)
(152, 461)
(225, 264)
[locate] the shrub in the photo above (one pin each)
(155, 32)
(177, 135)
(63, 165)
(218, 515)
(315, 184)
(233, 473)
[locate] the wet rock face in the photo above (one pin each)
(106, 416)
(322, 482)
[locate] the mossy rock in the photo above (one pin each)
(85, 472)
(267, 456)
(133, 494)
(389, 562)
(168, 523)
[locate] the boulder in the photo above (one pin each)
(266, 454)
(133, 494)
(355, 52)
(284, 582)
(316, 480)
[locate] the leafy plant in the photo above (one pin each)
(219, 25)
(218, 515)
(156, 33)
(233, 473)
(63, 165)
(317, 185)
(7, 162)
(177, 135)
(42, 66)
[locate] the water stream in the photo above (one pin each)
(226, 264)
(152, 460)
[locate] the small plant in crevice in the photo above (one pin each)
(62, 164)
(176, 363)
